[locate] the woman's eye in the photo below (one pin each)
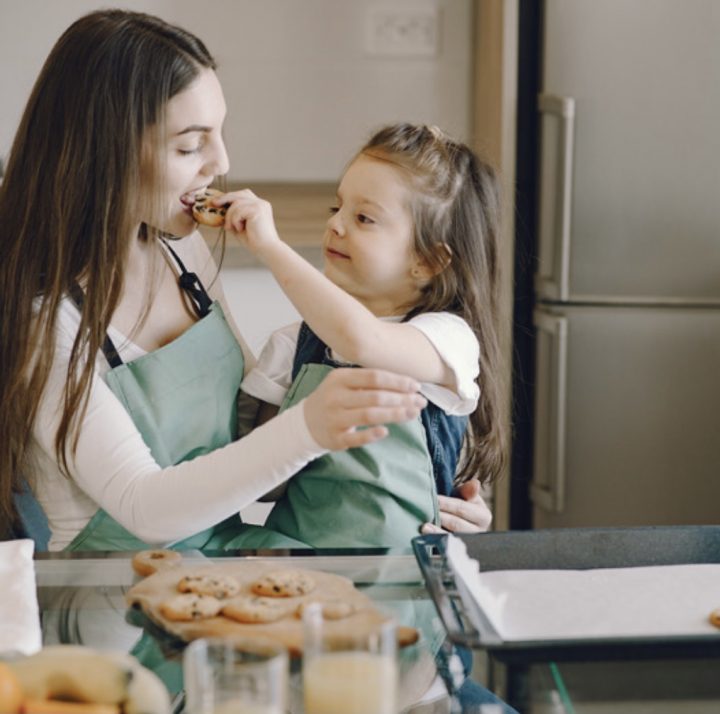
(188, 152)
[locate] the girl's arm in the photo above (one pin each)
(340, 320)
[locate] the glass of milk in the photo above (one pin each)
(228, 675)
(349, 668)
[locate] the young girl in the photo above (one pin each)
(118, 369)
(410, 285)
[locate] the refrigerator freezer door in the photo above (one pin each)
(627, 432)
(644, 203)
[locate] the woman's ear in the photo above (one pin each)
(421, 270)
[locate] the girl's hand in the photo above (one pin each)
(467, 514)
(251, 219)
(349, 398)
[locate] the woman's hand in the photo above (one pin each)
(251, 219)
(467, 514)
(349, 398)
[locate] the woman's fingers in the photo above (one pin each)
(375, 379)
(372, 416)
(467, 513)
(351, 439)
(352, 398)
(464, 516)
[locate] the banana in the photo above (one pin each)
(80, 674)
(146, 692)
(47, 706)
(73, 673)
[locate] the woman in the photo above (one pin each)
(119, 369)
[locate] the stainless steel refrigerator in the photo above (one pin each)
(627, 290)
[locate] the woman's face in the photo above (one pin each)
(194, 152)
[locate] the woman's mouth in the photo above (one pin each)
(188, 200)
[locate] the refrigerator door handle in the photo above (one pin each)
(552, 281)
(547, 488)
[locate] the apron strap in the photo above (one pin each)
(188, 281)
(191, 284)
(108, 346)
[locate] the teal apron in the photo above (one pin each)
(372, 496)
(182, 398)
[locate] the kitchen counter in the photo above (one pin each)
(82, 600)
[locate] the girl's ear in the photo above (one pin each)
(421, 270)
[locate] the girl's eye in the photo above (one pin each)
(362, 218)
(333, 210)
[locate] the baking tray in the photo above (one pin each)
(467, 624)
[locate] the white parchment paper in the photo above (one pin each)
(660, 601)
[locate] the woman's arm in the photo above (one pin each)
(336, 317)
(115, 468)
(265, 413)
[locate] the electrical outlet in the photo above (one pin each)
(402, 31)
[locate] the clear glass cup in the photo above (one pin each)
(235, 676)
(352, 670)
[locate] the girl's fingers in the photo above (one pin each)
(233, 196)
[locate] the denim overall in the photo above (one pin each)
(182, 398)
(377, 495)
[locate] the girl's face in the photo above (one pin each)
(194, 152)
(368, 243)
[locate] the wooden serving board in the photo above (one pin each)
(150, 593)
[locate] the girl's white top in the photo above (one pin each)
(449, 334)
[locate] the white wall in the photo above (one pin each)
(257, 304)
(302, 88)
(259, 307)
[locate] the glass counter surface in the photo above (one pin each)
(82, 601)
(82, 598)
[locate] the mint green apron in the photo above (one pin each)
(373, 496)
(182, 398)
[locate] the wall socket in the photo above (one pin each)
(402, 31)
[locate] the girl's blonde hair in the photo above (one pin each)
(69, 205)
(455, 207)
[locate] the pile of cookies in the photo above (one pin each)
(269, 598)
(247, 597)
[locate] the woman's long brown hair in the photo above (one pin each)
(69, 206)
(456, 204)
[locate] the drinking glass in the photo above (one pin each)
(352, 670)
(235, 676)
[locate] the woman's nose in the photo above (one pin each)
(218, 163)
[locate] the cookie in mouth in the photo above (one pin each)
(207, 213)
